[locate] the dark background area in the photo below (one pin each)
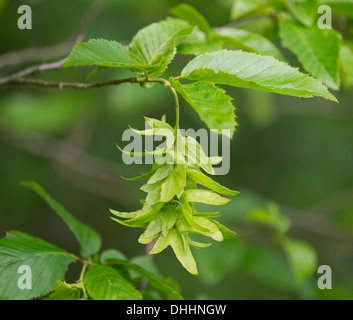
(297, 153)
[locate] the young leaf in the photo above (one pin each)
(47, 264)
(248, 70)
(192, 16)
(105, 283)
(103, 53)
(212, 104)
(88, 239)
(249, 41)
(207, 182)
(305, 10)
(316, 49)
(160, 51)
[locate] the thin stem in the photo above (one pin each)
(81, 279)
(62, 85)
(177, 107)
(83, 271)
(19, 80)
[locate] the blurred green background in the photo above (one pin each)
(291, 158)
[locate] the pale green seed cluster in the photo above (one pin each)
(168, 215)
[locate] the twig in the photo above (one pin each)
(18, 77)
(62, 85)
(75, 85)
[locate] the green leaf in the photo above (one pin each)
(304, 11)
(249, 41)
(105, 283)
(302, 259)
(48, 264)
(103, 53)
(207, 182)
(205, 196)
(159, 284)
(63, 291)
(316, 49)
(192, 16)
(159, 52)
(248, 70)
(211, 103)
(174, 184)
(88, 239)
